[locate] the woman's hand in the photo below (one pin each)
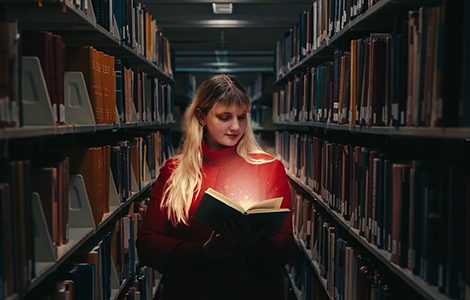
(218, 247)
(246, 238)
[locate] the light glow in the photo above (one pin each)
(222, 8)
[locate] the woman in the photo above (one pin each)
(219, 150)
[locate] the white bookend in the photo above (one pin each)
(90, 11)
(134, 185)
(80, 214)
(118, 118)
(37, 109)
(114, 277)
(81, 224)
(135, 117)
(115, 31)
(147, 177)
(78, 110)
(44, 250)
(114, 201)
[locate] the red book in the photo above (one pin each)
(40, 45)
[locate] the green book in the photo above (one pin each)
(214, 207)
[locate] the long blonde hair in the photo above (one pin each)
(185, 181)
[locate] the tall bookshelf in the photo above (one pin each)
(376, 161)
(93, 211)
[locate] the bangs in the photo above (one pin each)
(235, 98)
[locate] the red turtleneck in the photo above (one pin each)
(176, 251)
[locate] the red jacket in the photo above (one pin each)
(176, 251)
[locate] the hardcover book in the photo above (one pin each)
(215, 207)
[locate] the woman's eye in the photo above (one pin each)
(224, 118)
(241, 117)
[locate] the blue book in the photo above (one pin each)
(430, 237)
(336, 84)
(416, 205)
(318, 107)
(379, 201)
(117, 10)
(107, 266)
(84, 281)
(119, 71)
(455, 245)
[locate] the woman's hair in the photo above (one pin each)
(185, 182)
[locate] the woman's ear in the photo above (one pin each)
(200, 116)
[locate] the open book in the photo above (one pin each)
(215, 207)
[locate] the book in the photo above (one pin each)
(215, 207)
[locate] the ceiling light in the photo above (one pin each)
(222, 8)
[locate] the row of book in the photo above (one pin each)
(137, 28)
(111, 83)
(314, 28)
(345, 270)
(152, 99)
(89, 274)
(302, 281)
(409, 77)
(135, 160)
(409, 208)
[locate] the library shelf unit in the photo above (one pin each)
(427, 291)
(295, 290)
(378, 18)
(83, 230)
(79, 28)
(439, 147)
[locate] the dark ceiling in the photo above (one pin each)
(241, 43)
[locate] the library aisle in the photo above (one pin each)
(365, 102)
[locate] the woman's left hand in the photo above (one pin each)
(246, 238)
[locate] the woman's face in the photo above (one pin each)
(224, 126)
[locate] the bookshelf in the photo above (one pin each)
(307, 106)
(37, 133)
(429, 292)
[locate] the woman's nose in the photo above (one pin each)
(235, 125)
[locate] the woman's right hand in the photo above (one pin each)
(218, 247)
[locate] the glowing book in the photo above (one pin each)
(214, 207)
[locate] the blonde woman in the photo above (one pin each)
(219, 151)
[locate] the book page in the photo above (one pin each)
(221, 197)
(269, 204)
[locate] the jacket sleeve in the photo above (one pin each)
(274, 252)
(156, 245)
